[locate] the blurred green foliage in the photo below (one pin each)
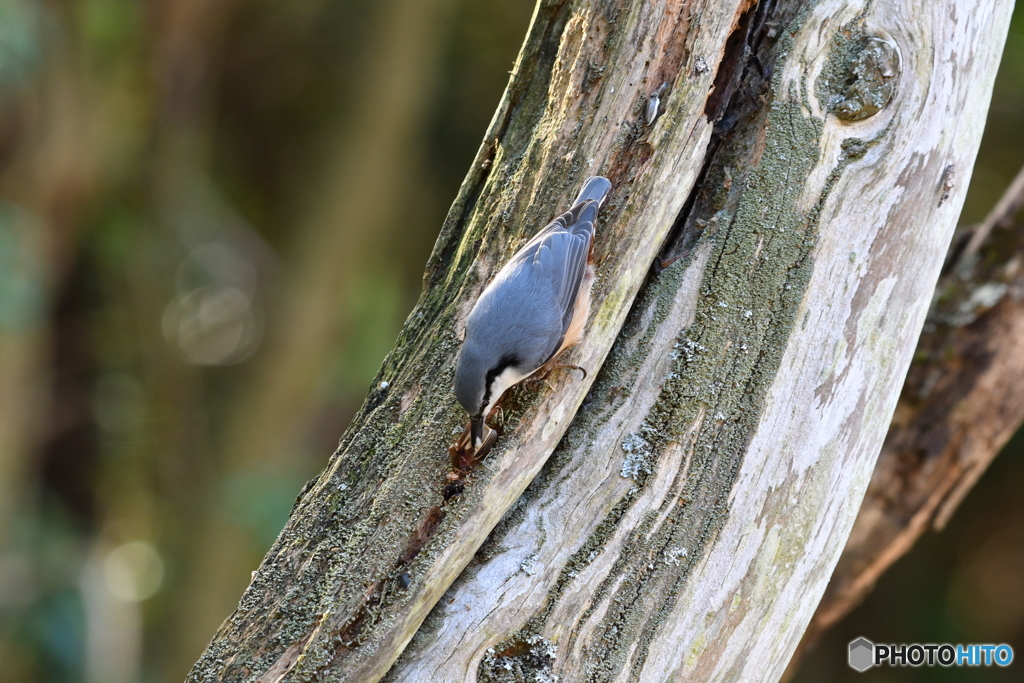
(19, 43)
(213, 219)
(171, 174)
(22, 303)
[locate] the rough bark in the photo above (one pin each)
(689, 521)
(962, 401)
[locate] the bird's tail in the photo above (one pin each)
(596, 188)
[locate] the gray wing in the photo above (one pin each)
(557, 259)
(581, 212)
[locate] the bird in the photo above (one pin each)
(534, 308)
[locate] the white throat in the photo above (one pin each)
(501, 383)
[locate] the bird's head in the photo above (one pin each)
(480, 380)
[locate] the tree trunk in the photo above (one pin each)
(962, 401)
(796, 195)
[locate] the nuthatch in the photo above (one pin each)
(535, 307)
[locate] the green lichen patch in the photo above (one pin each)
(519, 660)
(638, 460)
(713, 396)
(859, 79)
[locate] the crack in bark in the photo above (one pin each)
(620, 594)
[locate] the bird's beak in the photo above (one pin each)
(476, 430)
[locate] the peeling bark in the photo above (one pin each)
(689, 519)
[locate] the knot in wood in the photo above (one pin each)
(859, 79)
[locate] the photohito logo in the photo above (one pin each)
(864, 654)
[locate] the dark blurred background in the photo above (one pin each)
(214, 216)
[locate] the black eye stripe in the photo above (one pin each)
(504, 363)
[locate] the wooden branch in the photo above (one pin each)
(690, 519)
(707, 562)
(331, 590)
(962, 401)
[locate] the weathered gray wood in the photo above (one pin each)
(750, 388)
(961, 403)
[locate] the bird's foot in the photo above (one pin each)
(542, 377)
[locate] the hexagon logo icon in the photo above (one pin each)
(862, 654)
